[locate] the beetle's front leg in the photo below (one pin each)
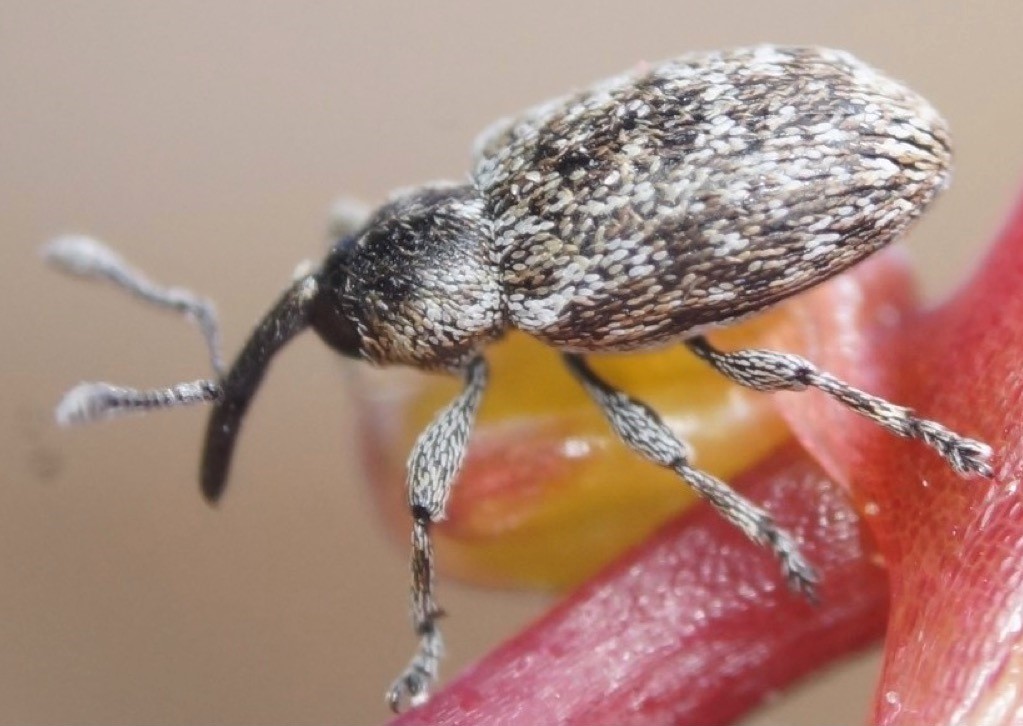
(643, 431)
(768, 370)
(435, 461)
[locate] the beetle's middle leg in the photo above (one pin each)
(435, 461)
(768, 370)
(642, 430)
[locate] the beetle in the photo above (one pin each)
(639, 213)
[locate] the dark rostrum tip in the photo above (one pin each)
(288, 317)
(221, 436)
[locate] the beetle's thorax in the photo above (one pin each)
(415, 285)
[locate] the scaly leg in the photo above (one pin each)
(643, 431)
(768, 370)
(435, 461)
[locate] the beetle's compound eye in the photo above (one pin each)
(329, 315)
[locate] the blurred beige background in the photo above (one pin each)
(206, 141)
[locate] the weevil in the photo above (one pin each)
(642, 212)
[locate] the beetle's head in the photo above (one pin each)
(413, 285)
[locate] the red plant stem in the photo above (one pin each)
(693, 626)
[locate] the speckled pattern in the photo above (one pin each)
(700, 190)
(644, 210)
(635, 214)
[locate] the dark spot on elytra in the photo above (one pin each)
(571, 161)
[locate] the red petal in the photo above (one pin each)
(954, 546)
(693, 627)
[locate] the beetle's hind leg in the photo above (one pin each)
(642, 430)
(87, 258)
(767, 370)
(433, 464)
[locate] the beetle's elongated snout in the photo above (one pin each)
(287, 318)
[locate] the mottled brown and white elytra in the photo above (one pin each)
(701, 190)
(638, 213)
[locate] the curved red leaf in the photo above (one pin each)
(954, 546)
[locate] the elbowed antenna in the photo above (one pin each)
(230, 393)
(85, 257)
(288, 318)
(88, 258)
